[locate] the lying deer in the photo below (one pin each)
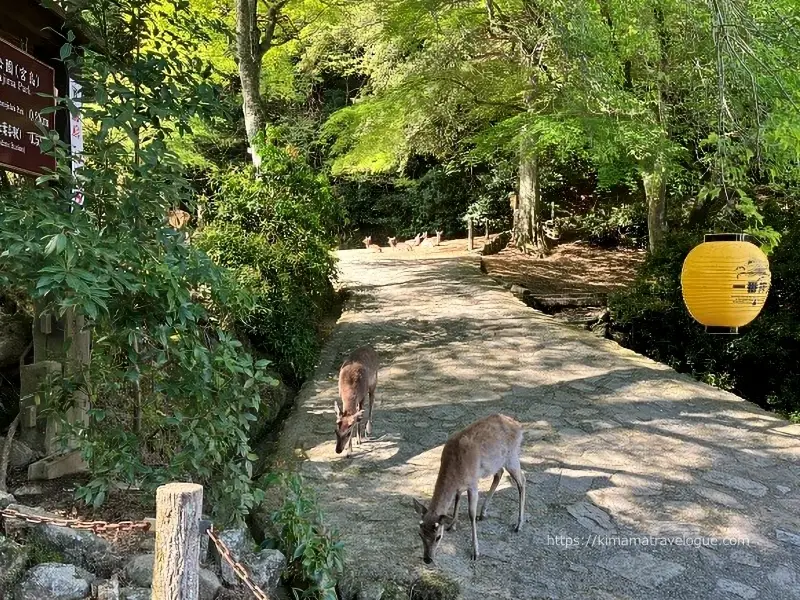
(416, 241)
(367, 241)
(358, 378)
(399, 245)
(431, 242)
(484, 448)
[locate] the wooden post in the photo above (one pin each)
(469, 234)
(176, 572)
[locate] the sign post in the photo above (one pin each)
(76, 137)
(22, 79)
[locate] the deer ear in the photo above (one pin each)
(421, 510)
(358, 415)
(337, 409)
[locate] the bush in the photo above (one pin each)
(402, 207)
(315, 555)
(761, 364)
(276, 232)
(612, 226)
(172, 391)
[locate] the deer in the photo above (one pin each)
(416, 241)
(358, 377)
(431, 242)
(367, 241)
(399, 245)
(485, 447)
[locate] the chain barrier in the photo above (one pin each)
(105, 526)
(238, 568)
(93, 526)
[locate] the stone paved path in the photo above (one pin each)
(616, 447)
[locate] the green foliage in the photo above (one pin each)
(172, 391)
(404, 207)
(275, 231)
(622, 225)
(315, 555)
(761, 364)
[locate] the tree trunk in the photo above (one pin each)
(249, 55)
(654, 178)
(528, 231)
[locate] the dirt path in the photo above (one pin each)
(576, 267)
(629, 465)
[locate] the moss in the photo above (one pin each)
(392, 591)
(434, 586)
(39, 553)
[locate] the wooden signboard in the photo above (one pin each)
(22, 79)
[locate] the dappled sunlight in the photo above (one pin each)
(575, 267)
(614, 443)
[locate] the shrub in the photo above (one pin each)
(762, 363)
(171, 389)
(611, 226)
(315, 555)
(404, 207)
(276, 231)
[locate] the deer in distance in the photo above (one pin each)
(367, 241)
(358, 378)
(400, 245)
(431, 242)
(484, 448)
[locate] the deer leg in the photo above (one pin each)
(472, 497)
(452, 525)
(519, 478)
(369, 414)
(495, 483)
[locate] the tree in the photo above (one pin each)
(251, 46)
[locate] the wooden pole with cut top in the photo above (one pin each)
(176, 572)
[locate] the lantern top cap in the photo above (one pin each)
(729, 237)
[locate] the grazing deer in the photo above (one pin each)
(484, 448)
(358, 378)
(431, 242)
(367, 241)
(399, 245)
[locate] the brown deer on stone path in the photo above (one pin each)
(399, 245)
(484, 448)
(367, 241)
(358, 378)
(431, 242)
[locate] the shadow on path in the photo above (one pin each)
(642, 483)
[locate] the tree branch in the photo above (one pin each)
(273, 15)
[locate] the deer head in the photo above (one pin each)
(431, 530)
(344, 426)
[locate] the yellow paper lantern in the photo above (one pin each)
(725, 282)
